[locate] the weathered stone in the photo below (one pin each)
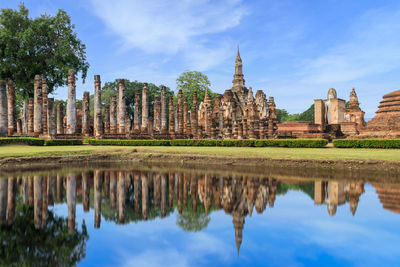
(145, 109)
(30, 116)
(24, 117)
(136, 114)
(60, 116)
(19, 127)
(71, 103)
(121, 106)
(193, 114)
(113, 115)
(51, 120)
(71, 202)
(3, 110)
(97, 180)
(38, 106)
(12, 127)
(180, 112)
(164, 128)
(45, 93)
(171, 117)
(97, 120)
(107, 119)
(86, 114)
(157, 115)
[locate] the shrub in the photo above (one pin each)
(367, 143)
(294, 143)
(31, 141)
(63, 142)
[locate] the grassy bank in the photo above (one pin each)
(238, 152)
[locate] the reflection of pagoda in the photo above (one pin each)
(333, 194)
(238, 216)
(389, 196)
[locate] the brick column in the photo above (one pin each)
(136, 114)
(163, 110)
(107, 119)
(3, 110)
(45, 93)
(157, 115)
(145, 109)
(180, 112)
(171, 116)
(113, 115)
(12, 127)
(71, 103)
(121, 106)
(97, 120)
(30, 116)
(86, 114)
(193, 114)
(60, 118)
(51, 120)
(38, 106)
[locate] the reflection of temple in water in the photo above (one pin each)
(131, 196)
(334, 194)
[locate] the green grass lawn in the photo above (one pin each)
(262, 152)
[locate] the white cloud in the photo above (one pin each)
(169, 27)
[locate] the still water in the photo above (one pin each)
(134, 216)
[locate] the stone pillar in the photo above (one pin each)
(121, 107)
(145, 196)
(60, 118)
(145, 108)
(270, 128)
(71, 103)
(127, 124)
(176, 119)
(107, 119)
(185, 117)
(136, 114)
(319, 114)
(38, 106)
(163, 110)
(19, 127)
(97, 120)
(24, 117)
(157, 115)
(180, 112)
(3, 196)
(12, 126)
(71, 202)
(113, 115)
(3, 110)
(171, 116)
(51, 120)
(86, 114)
(30, 116)
(98, 178)
(193, 115)
(45, 93)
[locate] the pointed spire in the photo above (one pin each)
(238, 58)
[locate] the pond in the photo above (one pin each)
(138, 215)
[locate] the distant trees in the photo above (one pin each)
(283, 115)
(46, 45)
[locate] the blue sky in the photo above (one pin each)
(293, 50)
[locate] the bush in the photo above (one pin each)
(31, 141)
(367, 143)
(63, 142)
(294, 143)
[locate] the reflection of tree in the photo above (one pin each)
(23, 245)
(283, 188)
(191, 221)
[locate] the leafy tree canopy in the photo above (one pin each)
(283, 115)
(46, 45)
(193, 81)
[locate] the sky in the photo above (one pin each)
(292, 50)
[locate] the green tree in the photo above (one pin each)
(46, 45)
(193, 81)
(283, 115)
(111, 88)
